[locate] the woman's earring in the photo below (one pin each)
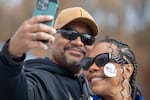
(124, 93)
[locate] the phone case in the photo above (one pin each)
(46, 7)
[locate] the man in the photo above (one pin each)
(54, 77)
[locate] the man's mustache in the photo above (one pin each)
(74, 47)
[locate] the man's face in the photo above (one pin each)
(68, 53)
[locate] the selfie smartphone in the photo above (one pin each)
(46, 7)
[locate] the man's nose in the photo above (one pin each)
(77, 41)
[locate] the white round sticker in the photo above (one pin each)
(110, 70)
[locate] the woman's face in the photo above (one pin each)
(100, 83)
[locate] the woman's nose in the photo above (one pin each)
(93, 68)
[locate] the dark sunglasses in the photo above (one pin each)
(101, 60)
(72, 35)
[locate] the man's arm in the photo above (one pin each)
(12, 81)
(13, 84)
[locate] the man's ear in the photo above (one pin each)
(50, 43)
(128, 70)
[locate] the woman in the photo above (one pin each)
(111, 71)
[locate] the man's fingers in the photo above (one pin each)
(25, 36)
(40, 27)
(40, 18)
(42, 36)
(37, 44)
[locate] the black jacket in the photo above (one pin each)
(38, 79)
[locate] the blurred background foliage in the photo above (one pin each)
(125, 20)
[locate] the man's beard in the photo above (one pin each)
(72, 63)
(73, 66)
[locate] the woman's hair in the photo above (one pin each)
(125, 52)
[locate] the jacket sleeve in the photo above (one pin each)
(12, 81)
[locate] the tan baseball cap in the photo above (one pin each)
(77, 14)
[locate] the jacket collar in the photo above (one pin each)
(48, 65)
